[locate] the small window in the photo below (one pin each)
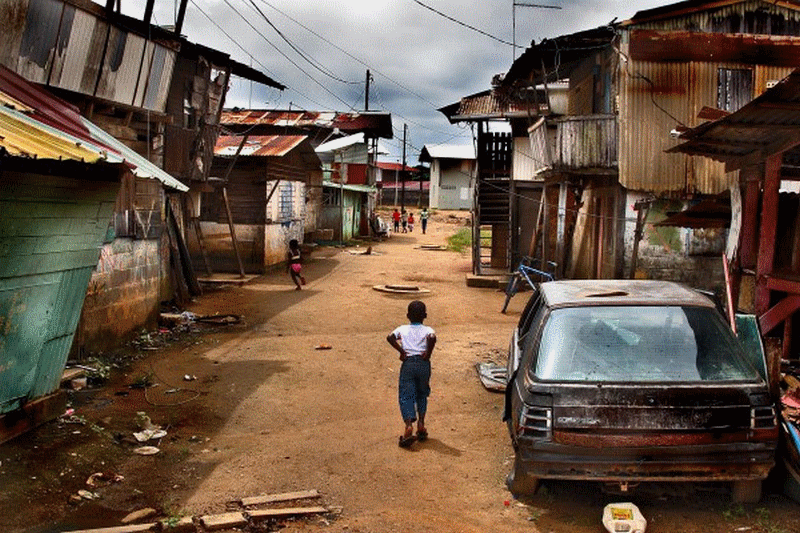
(734, 88)
(286, 201)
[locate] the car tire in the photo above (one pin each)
(520, 484)
(746, 491)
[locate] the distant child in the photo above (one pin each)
(424, 219)
(410, 222)
(396, 220)
(415, 344)
(404, 220)
(293, 264)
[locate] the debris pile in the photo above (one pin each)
(256, 513)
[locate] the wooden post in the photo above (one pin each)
(769, 224)
(642, 208)
(228, 205)
(198, 232)
(561, 228)
(233, 231)
(747, 245)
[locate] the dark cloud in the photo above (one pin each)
(420, 61)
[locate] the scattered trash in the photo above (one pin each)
(323, 347)
(171, 391)
(75, 499)
(141, 514)
(100, 479)
(88, 495)
(78, 383)
(623, 518)
(493, 376)
(188, 377)
(149, 434)
(222, 320)
(146, 450)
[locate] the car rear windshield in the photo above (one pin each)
(639, 344)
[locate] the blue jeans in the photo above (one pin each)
(414, 387)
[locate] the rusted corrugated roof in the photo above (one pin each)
(34, 123)
(373, 123)
(768, 125)
(258, 145)
(492, 104)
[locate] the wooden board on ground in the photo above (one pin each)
(223, 521)
(130, 528)
(285, 513)
(284, 497)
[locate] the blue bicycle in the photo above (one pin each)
(524, 272)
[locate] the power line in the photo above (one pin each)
(473, 28)
(312, 78)
(234, 41)
(351, 56)
(314, 63)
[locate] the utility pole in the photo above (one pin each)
(366, 93)
(403, 168)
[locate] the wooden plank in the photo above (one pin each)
(778, 313)
(284, 497)
(286, 512)
(33, 414)
(769, 223)
(131, 528)
(223, 521)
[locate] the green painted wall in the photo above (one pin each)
(51, 229)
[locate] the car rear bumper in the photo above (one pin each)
(664, 463)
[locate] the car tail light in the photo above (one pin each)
(536, 422)
(763, 417)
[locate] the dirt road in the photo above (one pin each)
(269, 413)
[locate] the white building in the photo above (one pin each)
(452, 175)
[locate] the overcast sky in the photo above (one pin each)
(419, 60)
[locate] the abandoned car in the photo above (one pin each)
(631, 381)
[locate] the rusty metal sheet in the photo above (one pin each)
(665, 46)
(751, 16)
(120, 70)
(377, 123)
(620, 292)
(258, 145)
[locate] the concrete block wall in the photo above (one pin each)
(124, 294)
(692, 257)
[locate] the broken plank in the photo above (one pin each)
(223, 521)
(285, 513)
(284, 497)
(72, 373)
(130, 528)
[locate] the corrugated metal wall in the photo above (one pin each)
(654, 99)
(747, 17)
(54, 43)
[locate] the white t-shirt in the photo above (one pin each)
(413, 338)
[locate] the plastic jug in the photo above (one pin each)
(623, 518)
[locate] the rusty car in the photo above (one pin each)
(625, 382)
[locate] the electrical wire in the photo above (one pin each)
(290, 60)
(460, 23)
(234, 41)
(314, 63)
(351, 56)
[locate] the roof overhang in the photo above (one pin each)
(554, 59)
(768, 125)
